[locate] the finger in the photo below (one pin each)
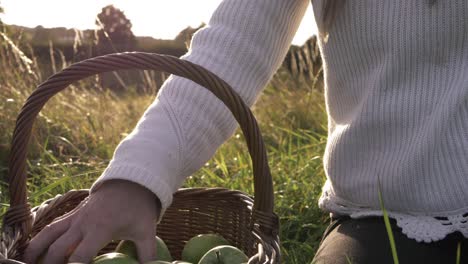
(89, 247)
(69, 213)
(63, 247)
(44, 238)
(146, 249)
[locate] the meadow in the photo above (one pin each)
(76, 133)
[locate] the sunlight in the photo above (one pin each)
(157, 18)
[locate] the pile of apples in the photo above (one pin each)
(201, 249)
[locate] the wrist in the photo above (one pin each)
(131, 190)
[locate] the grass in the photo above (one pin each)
(388, 227)
(77, 131)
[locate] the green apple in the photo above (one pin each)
(114, 258)
(127, 247)
(224, 255)
(197, 246)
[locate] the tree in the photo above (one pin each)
(185, 36)
(114, 32)
(41, 36)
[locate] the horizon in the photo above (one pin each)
(161, 12)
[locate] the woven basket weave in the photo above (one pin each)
(249, 223)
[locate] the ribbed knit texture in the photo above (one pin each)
(396, 79)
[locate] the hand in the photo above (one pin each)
(119, 209)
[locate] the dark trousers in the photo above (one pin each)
(362, 241)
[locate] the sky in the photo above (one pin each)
(166, 16)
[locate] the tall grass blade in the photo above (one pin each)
(388, 227)
(49, 187)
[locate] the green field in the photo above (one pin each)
(75, 136)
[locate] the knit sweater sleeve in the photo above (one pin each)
(244, 43)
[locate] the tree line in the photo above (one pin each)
(113, 33)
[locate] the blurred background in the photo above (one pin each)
(75, 31)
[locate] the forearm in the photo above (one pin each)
(244, 44)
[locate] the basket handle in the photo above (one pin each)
(19, 215)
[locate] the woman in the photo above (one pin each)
(397, 101)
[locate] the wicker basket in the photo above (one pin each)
(249, 223)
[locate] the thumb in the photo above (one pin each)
(146, 249)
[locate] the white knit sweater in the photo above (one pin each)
(396, 76)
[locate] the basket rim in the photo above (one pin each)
(19, 213)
